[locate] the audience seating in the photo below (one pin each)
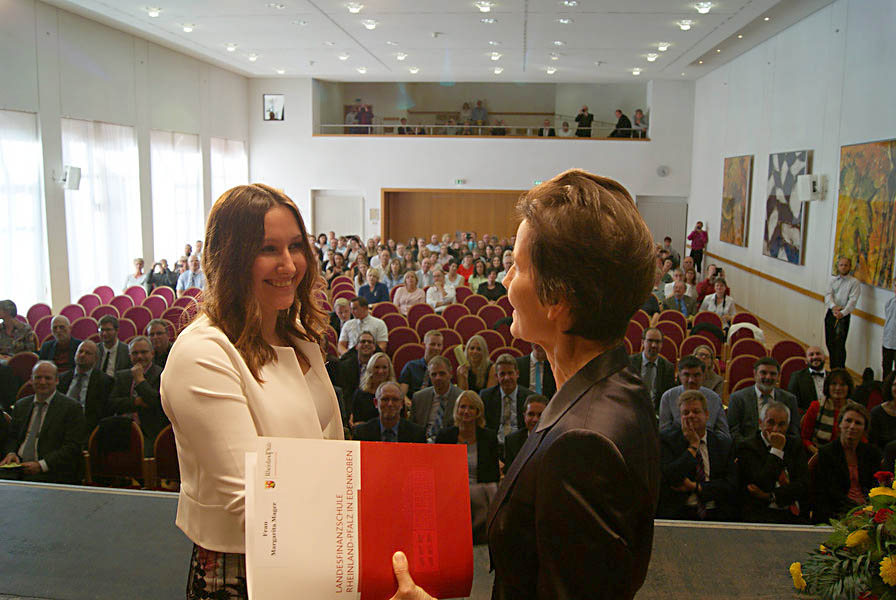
(172, 330)
(406, 353)
(450, 337)
(25, 390)
(515, 352)
(400, 336)
(742, 384)
(474, 302)
(712, 340)
(84, 327)
(633, 333)
(105, 293)
(128, 464)
(504, 302)
(126, 329)
(641, 318)
(331, 335)
(469, 325)
(676, 317)
(341, 279)
(453, 312)
(164, 451)
(393, 320)
(749, 347)
(21, 364)
(492, 338)
(342, 286)
(745, 317)
(427, 322)
(691, 343)
(789, 367)
(193, 292)
(105, 309)
(504, 330)
(37, 312)
(491, 313)
(738, 369)
(345, 293)
(448, 352)
(787, 349)
(89, 302)
(671, 331)
(417, 311)
(393, 291)
(72, 312)
(669, 350)
(43, 328)
(184, 302)
(122, 303)
(384, 308)
(741, 334)
(628, 346)
(137, 293)
(175, 314)
(140, 315)
(157, 305)
(165, 292)
(462, 293)
(522, 345)
(706, 316)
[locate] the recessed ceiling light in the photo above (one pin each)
(652, 57)
(488, 20)
(767, 19)
(493, 43)
(685, 24)
(231, 47)
(328, 43)
(188, 27)
(344, 56)
(496, 55)
(498, 70)
(663, 46)
(484, 5)
(253, 57)
(354, 7)
(299, 22)
(682, 74)
(554, 56)
(699, 62)
(280, 71)
(276, 5)
(369, 23)
(703, 7)
(361, 70)
(569, 3)
(414, 70)
(550, 70)
(401, 56)
(740, 36)
(636, 71)
(559, 43)
(392, 43)
(153, 11)
(564, 20)
(718, 50)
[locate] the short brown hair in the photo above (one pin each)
(591, 248)
(851, 406)
(233, 239)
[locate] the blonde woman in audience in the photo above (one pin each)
(374, 290)
(379, 369)
(440, 294)
(394, 276)
(453, 277)
(138, 277)
(711, 379)
(477, 372)
(720, 303)
(482, 444)
(479, 275)
(409, 294)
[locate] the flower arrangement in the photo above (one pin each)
(858, 560)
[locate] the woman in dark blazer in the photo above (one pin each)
(846, 466)
(482, 443)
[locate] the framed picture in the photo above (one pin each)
(273, 106)
(738, 176)
(785, 215)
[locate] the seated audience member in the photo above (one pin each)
(505, 403)
(379, 369)
(678, 275)
(138, 277)
(690, 280)
(711, 380)
(623, 126)
(404, 129)
(846, 466)
(352, 364)
(409, 294)
(720, 303)
(657, 373)
(687, 263)
(363, 321)
(699, 477)
(583, 123)
(680, 302)
(819, 424)
(388, 426)
(424, 274)
(869, 392)
(476, 372)
(443, 258)
(60, 350)
(640, 124)
(666, 273)
(565, 130)
(535, 372)
(336, 267)
(340, 315)
(707, 285)
(773, 469)
(808, 384)
(506, 263)
(465, 269)
(482, 444)
(883, 416)
(87, 385)
(654, 300)
(136, 392)
(329, 259)
(15, 336)
(535, 405)
(415, 374)
(161, 276)
(479, 275)
(374, 291)
(691, 372)
(492, 288)
(158, 336)
(499, 128)
(394, 276)
(361, 269)
(188, 251)
(440, 294)
(192, 278)
(546, 129)
(434, 245)
(479, 114)
(674, 256)
(452, 277)
(433, 406)
(114, 355)
(46, 435)
(451, 127)
(744, 405)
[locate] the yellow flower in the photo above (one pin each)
(888, 570)
(858, 539)
(796, 571)
(823, 549)
(882, 491)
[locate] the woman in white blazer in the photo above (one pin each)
(249, 365)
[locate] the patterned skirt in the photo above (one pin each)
(216, 575)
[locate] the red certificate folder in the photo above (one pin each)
(326, 517)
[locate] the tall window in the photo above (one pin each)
(230, 166)
(103, 216)
(177, 214)
(23, 273)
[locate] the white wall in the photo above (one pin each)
(58, 64)
(825, 82)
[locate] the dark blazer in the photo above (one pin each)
(589, 477)
(665, 376)
(407, 432)
(96, 403)
(551, 132)
(152, 417)
(48, 352)
(832, 478)
(421, 405)
(548, 385)
(743, 413)
(671, 303)
(678, 464)
(486, 451)
(803, 387)
(59, 442)
(491, 398)
(760, 467)
(513, 443)
(336, 323)
(122, 357)
(363, 406)
(348, 373)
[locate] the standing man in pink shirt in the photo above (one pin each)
(699, 239)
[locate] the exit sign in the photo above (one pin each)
(538, 182)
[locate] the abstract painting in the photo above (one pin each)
(866, 211)
(785, 214)
(736, 199)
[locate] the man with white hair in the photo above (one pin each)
(136, 392)
(191, 278)
(61, 349)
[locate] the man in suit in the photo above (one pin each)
(774, 472)
(691, 372)
(389, 426)
(807, 384)
(744, 405)
(61, 349)
(433, 407)
(114, 355)
(623, 126)
(47, 432)
(679, 301)
(657, 373)
(415, 373)
(352, 364)
(546, 129)
(157, 333)
(699, 475)
(505, 403)
(136, 393)
(535, 405)
(90, 387)
(535, 372)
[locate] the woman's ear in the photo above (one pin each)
(559, 315)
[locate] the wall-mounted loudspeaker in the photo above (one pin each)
(71, 178)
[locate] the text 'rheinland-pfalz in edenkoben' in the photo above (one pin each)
(345, 530)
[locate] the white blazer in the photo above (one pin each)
(218, 410)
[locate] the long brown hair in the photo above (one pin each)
(233, 239)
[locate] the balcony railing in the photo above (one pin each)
(508, 131)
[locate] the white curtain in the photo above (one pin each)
(23, 273)
(178, 217)
(102, 216)
(230, 166)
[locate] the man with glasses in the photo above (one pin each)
(657, 373)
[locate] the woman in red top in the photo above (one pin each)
(466, 268)
(819, 425)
